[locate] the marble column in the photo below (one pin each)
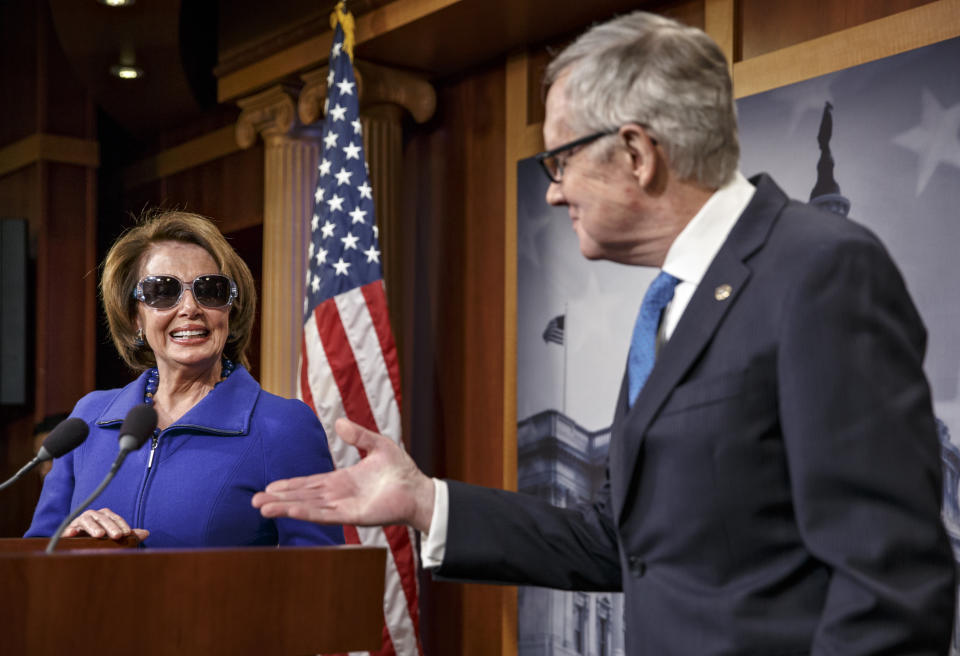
(290, 161)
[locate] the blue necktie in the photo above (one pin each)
(643, 346)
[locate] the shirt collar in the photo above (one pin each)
(698, 243)
(226, 410)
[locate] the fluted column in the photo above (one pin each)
(290, 162)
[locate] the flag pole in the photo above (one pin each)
(566, 339)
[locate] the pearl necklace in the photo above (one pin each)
(153, 379)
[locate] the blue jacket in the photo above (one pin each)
(205, 468)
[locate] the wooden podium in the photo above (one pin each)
(263, 601)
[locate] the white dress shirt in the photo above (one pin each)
(687, 260)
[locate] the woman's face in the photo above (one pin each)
(187, 336)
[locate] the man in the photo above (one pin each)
(773, 486)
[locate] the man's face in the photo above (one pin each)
(598, 188)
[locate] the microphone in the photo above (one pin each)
(63, 439)
(136, 428)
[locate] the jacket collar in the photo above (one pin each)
(226, 410)
(692, 335)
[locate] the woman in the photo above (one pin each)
(180, 304)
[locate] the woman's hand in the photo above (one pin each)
(103, 523)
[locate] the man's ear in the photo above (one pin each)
(642, 151)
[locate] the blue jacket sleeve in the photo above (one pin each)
(296, 445)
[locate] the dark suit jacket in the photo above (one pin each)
(776, 487)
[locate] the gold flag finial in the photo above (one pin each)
(345, 18)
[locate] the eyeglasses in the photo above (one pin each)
(552, 161)
(212, 291)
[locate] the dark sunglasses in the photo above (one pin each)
(212, 291)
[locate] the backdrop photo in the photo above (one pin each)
(878, 143)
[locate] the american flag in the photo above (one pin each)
(348, 363)
(554, 330)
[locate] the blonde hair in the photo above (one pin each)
(121, 272)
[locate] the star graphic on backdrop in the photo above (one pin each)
(346, 88)
(351, 151)
(935, 141)
(534, 230)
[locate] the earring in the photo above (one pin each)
(138, 340)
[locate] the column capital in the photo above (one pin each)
(271, 112)
(375, 85)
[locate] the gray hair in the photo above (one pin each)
(671, 78)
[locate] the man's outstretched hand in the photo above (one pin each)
(385, 487)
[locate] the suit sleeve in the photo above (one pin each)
(506, 537)
(863, 455)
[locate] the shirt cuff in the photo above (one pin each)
(434, 543)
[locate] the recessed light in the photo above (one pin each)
(117, 3)
(126, 72)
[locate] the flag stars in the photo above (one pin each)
(357, 126)
(349, 241)
(346, 88)
(376, 231)
(338, 113)
(365, 190)
(318, 196)
(335, 204)
(373, 255)
(343, 177)
(324, 167)
(315, 222)
(330, 140)
(331, 76)
(358, 215)
(327, 232)
(341, 267)
(315, 284)
(311, 249)
(321, 256)
(337, 47)
(352, 151)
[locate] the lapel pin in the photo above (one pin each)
(722, 292)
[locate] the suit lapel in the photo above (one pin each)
(692, 335)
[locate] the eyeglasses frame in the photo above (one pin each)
(576, 143)
(184, 286)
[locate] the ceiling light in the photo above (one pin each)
(126, 72)
(117, 3)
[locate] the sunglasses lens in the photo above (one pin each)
(212, 291)
(160, 291)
